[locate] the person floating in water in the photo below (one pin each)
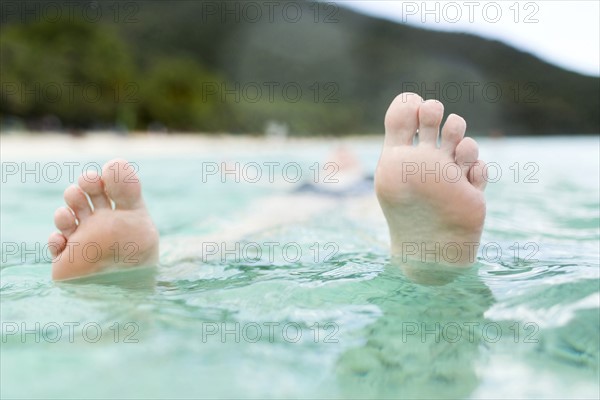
(421, 208)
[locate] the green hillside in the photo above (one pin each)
(320, 69)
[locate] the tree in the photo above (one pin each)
(80, 72)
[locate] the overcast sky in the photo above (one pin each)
(566, 33)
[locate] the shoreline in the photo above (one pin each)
(34, 145)
(46, 145)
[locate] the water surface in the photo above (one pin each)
(521, 323)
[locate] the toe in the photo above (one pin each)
(452, 133)
(76, 200)
(91, 183)
(56, 244)
(65, 221)
(466, 154)
(401, 119)
(430, 118)
(478, 175)
(122, 184)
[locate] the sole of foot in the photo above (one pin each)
(431, 193)
(104, 226)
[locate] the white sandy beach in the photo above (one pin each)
(20, 146)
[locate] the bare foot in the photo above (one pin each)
(93, 240)
(432, 197)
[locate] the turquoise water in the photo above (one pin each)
(523, 323)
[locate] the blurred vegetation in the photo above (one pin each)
(185, 66)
